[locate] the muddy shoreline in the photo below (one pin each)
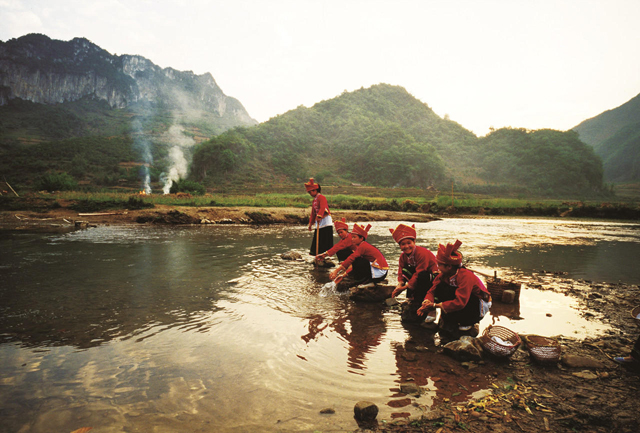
(601, 396)
(66, 218)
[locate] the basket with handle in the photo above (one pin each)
(499, 341)
(635, 313)
(542, 349)
(496, 287)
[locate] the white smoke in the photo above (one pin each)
(178, 163)
(144, 148)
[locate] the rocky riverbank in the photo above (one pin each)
(584, 391)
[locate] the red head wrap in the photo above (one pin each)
(403, 232)
(341, 225)
(311, 185)
(361, 230)
(449, 254)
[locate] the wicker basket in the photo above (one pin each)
(495, 348)
(543, 349)
(634, 314)
(497, 287)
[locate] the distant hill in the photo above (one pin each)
(383, 136)
(53, 90)
(615, 137)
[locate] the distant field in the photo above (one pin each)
(628, 191)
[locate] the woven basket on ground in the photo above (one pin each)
(497, 287)
(506, 345)
(634, 313)
(543, 349)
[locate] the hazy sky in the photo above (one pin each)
(532, 64)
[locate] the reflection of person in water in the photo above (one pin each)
(362, 326)
(461, 296)
(416, 271)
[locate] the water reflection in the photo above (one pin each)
(142, 328)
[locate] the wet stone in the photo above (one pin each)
(463, 349)
(365, 411)
(586, 375)
(291, 255)
(577, 361)
(410, 388)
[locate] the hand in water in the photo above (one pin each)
(426, 305)
(399, 288)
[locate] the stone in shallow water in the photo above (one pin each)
(365, 411)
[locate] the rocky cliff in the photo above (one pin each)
(39, 69)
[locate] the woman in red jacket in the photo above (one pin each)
(416, 270)
(320, 219)
(366, 264)
(345, 247)
(459, 293)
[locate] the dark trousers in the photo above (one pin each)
(416, 295)
(361, 272)
(469, 315)
(635, 352)
(325, 240)
(343, 254)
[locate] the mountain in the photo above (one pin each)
(38, 69)
(383, 136)
(59, 95)
(615, 137)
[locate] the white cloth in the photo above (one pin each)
(324, 222)
(378, 273)
(501, 341)
(484, 307)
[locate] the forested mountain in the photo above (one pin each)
(121, 114)
(615, 137)
(383, 136)
(122, 121)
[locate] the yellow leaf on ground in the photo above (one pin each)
(82, 430)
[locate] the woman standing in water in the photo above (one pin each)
(320, 219)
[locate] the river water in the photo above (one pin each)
(206, 328)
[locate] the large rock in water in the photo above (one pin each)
(291, 255)
(365, 411)
(366, 293)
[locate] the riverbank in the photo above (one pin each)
(37, 216)
(586, 391)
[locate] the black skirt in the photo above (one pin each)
(469, 315)
(325, 238)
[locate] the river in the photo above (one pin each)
(206, 328)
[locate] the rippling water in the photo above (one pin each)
(208, 329)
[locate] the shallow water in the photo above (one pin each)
(208, 329)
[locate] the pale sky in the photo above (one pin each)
(495, 63)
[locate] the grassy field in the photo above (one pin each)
(361, 198)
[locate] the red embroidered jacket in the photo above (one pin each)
(344, 243)
(369, 252)
(467, 284)
(422, 259)
(319, 207)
